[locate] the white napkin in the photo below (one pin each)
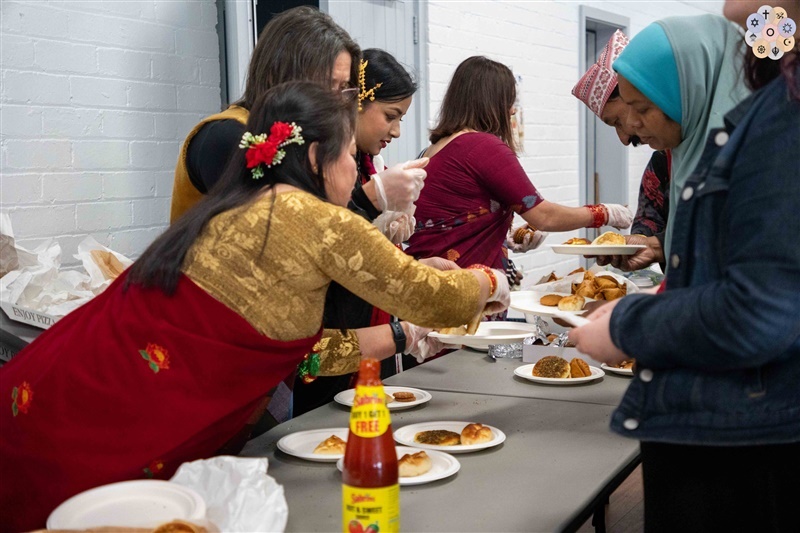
(239, 494)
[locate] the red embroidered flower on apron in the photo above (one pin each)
(22, 397)
(157, 357)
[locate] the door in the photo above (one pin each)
(390, 25)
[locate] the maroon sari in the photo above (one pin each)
(475, 184)
(129, 386)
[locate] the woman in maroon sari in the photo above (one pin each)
(475, 182)
(170, 362)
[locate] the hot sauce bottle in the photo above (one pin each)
(370, 489)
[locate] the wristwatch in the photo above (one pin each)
(399, 337)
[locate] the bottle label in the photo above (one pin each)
(369, 416)
(375, 510)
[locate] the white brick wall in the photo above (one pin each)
(96, 99)
(539, 41)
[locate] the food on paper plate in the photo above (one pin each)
(612, 294)
(389, 398)
(550, 300)
(476, 434)
(551, 366)
(579, 369)
(413, 465)
(572, 303)
(179, 526)
(577, 241)
(605, 282)
(519, 235)
(109, 265)
(333, 445)
(405, 396)
(627, 364)
(438, 437)
(609, 238)
(600, 287)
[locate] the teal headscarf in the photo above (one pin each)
(705, 52)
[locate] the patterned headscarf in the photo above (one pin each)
(596, 86)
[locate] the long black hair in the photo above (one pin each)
(396, 83)
(326, 119)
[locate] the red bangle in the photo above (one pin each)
(599, 215)
(490, 273)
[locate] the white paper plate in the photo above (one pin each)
(442, 465)
(528, 302)
(405, 435)
(597, 249)
(346, 397)
(489, 333)
(526, 372)
(302, 444)
(617, 370)
(142, 503)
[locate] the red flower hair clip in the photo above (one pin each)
(268, 149)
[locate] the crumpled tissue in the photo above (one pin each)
(239, 494)
(38, 284)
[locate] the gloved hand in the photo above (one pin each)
(531, 240)
(420, 345)
(396, 225)
(440, 262)
(619, 216)
(398, 187)
(500, 299)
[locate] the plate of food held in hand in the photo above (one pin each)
(625, 368)
(319, 445)
(555, 370)
(450, 436)
(488, 333)
(396, 397)
(609, 243)
(417, 466)
(546, 303)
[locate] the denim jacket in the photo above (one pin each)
(718, 353)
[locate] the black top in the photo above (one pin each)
(210, 150)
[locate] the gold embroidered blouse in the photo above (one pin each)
(271, 262)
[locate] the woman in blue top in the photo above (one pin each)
(715, 400)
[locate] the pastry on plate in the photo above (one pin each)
(476, 434)
(438, 437)
(551, 366)
(405, 396)
(579, 369)
(627, 364)
(586, 289)
(177, 526)
(550, 300)
(610, 238)
(578, 241)
(606, 282)
(413, 465)
(389, 398)
(333, 445)
(571, 303)
(612, 294)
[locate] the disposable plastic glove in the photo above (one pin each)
(396, 225)
(619, 216)
(420, 345)
(531, 241)
(397, 187)
(500, 299)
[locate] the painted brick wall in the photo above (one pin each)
(96, 99)
(539, 41)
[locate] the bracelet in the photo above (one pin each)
(399, 335)
(599, 215)
(490, 273)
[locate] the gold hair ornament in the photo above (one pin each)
(363, 93)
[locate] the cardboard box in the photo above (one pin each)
(28, 316)
(532, 353)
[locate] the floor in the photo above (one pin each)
(625, 511)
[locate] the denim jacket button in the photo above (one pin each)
(675, 261)
(721, 138)
(687, 194)
(630, 424)
(646, 375)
